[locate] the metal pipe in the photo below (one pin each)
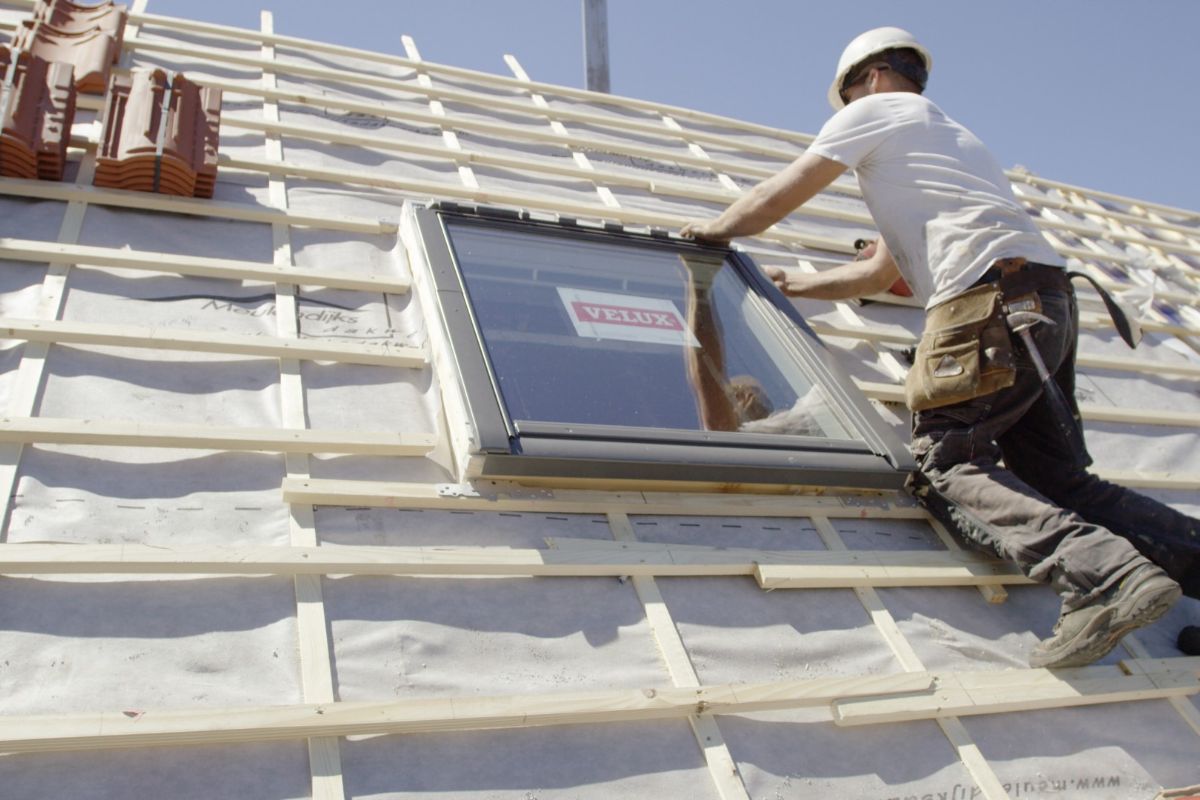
(595, 44)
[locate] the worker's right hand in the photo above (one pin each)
(778, 277)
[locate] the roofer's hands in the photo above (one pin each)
(706, 231)
(778, 277)
(871, 274)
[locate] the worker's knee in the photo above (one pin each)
(936, 454)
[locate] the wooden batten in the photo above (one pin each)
(100, 334)
(29, 250)
(967, 693)
(152, 728)
(44, 430)
(244, 212)
(773, 569)
(487, 496)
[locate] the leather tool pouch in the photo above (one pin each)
(965, 352)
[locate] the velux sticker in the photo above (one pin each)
(627, 318)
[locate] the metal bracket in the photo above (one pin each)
(456, 490)
(493, 491)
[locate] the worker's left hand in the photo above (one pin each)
(868, 250)
(704, 232)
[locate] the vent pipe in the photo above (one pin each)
(595, 44)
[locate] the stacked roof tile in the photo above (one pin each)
(160, 134)
(87, 37)
(37, 107)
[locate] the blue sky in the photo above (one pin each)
(1098, 93)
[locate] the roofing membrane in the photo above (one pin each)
(333, 613)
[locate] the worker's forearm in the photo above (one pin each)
(770, 201)
(857, 279)
(751, 214)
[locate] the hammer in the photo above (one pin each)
(1020, 322)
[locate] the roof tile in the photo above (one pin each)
(37, 110)
(87, 37)
(160, 143)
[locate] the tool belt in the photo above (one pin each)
(966, 350)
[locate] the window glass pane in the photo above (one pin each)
(617, 333)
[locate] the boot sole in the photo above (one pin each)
(1146, 604)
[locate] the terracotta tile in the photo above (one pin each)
(146, 150)
(88, 38)
(72, 18)
(38, 111)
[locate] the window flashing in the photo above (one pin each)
(548, 450)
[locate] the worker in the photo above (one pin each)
(950, 225)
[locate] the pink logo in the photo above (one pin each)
(626, 315)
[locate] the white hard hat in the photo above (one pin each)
(866, 45)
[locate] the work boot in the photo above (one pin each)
(1089, 633)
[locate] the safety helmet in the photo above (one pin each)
(868, 44)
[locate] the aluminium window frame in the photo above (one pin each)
(503, 448)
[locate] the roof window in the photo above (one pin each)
(589, 353)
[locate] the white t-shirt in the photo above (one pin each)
(802, 418)
(942, 203)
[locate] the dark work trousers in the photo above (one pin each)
(1043, 510)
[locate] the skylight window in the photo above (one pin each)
(588, 353)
